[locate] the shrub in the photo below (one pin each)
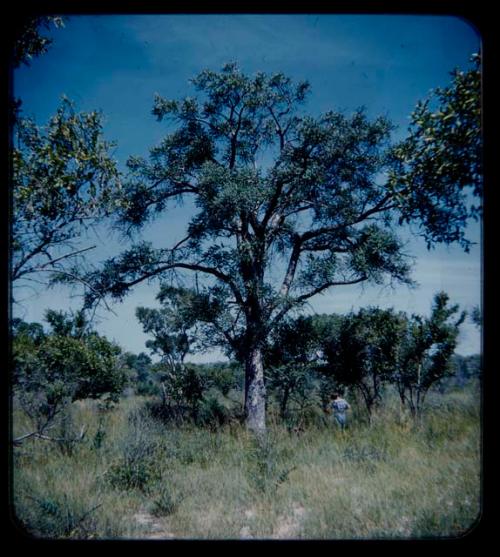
(212, 413)
(55, 515)
(137, 465)
(265, 469)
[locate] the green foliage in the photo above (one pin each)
(172, 325)
(465, 370)
(292, 358)
(56, 517)
(364, 352)
(195, 394)
(132, 472)
(212, 413)
(137, 464)
(29, 42)
(67, 363)
(83, 364)
(426, 351)
(219, 140)
(63, 179)
(165, 503)
(441, 160)
(309, 357)
(266, 471)
(140, 371)
(477, 317)
(376, 347)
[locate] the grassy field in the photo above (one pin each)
(134, 477)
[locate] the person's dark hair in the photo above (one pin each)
(335, 395)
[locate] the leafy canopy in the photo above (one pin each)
(427, 348)
(67, 362)
(441, 174)
(275, 190)
(63, 177)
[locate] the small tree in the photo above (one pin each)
(364, 353)
(173, 327)
(139, 366)
(292, 358)
(426, 351)
(177, 329)
(67, 363)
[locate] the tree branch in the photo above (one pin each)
(53, 261)
(378, 208)
(292, 267)
(79, 279)
(327, 285)
(299, 299)
(191, 267)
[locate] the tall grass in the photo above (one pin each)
(135, 477)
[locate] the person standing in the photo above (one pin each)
(339, 408)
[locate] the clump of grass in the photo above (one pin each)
(137, 464)
(131, 473)
(267, 465)
(67, 509)
(164, 501)
(367, 455)
(55, 516)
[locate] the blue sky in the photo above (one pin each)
(385, 63)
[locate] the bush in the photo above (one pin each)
(131, 472)
(213, 414)
(266, 471)
(141, 450)
(52, 370)
(164, 413)
(55, 516)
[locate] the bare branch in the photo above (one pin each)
(327, 285)
(293, 301)
(53, 261)
(78, 279)
(378, 208)
(191, 267)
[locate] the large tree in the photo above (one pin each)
(277, 192)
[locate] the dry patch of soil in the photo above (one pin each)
(288, 525)
(156, 528)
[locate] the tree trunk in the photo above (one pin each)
(255, 392)
(284, 402)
